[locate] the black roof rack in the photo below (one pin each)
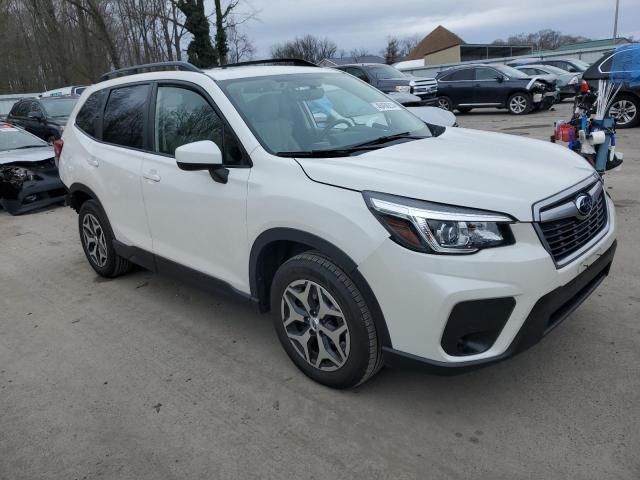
(149, 67)
(296, 62)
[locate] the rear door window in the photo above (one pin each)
(125, 115)
(459, 75)
(90, 113)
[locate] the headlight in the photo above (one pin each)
(18, 174)
(403, 88)
(573, 81)
(438, 228)
(538, 85)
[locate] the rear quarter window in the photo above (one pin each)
(124, 116)
(90, 113)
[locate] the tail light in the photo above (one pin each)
(584, 87)
(57, 150)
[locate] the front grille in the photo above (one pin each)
(565, 236)
(424, 86)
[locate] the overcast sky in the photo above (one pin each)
(367, 23)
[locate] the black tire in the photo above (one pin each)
(364, 357)
(445, 104)
(114, 265)
(464, 109)
(632, 109)
(523, 100)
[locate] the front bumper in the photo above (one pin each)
(546, 314)
(418, 293)
(34, 195)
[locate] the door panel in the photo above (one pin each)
(487, 89)
(120, 163)
(195, 221)
(458, 86)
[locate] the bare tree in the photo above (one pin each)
(240, 45)
(546, 39)
(310, 48)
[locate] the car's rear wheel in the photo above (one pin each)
(323, 322)
(519, 103)
(97, 241)
(445, 104)
(626, 110)
(464, 109)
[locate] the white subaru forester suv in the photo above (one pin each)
(370, 235)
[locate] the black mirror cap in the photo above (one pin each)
(217, 171)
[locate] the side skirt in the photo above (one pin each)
(163, 266)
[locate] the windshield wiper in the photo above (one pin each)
(28, 146)
(345, 151)
(388, 138)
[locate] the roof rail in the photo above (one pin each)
(149, 67)
(296, 62)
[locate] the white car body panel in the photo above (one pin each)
(503, 173)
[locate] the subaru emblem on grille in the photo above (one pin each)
(584, 204)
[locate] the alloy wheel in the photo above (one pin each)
(518, 104)
(94, 240)
(624, 111)
(443, 103)
(315, 325)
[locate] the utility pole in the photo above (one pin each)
(615, 23)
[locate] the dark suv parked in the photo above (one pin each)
(493, 86)
(625, 62)
(388, 79)
(44, 117)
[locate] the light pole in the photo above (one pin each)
(615, 23)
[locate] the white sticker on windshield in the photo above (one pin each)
(386, 106)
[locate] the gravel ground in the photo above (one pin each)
(145, 378)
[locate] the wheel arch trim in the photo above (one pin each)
(344, 261)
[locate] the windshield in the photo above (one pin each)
(315, 112)
(58, 107)
(12, 138)
(510, 71)
(385, 72)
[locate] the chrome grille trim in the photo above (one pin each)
(565, 236)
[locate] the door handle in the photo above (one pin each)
(152, 176)
(93, 161)
(477, 85)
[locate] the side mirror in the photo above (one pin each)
(203, 155)
(500, 78)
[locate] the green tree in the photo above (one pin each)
(200, 51)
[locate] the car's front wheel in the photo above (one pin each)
(97, 241)
(626, 110)
(445, 104)
(519, 103)
(323, 322)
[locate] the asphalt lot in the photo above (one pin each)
(145, 378)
